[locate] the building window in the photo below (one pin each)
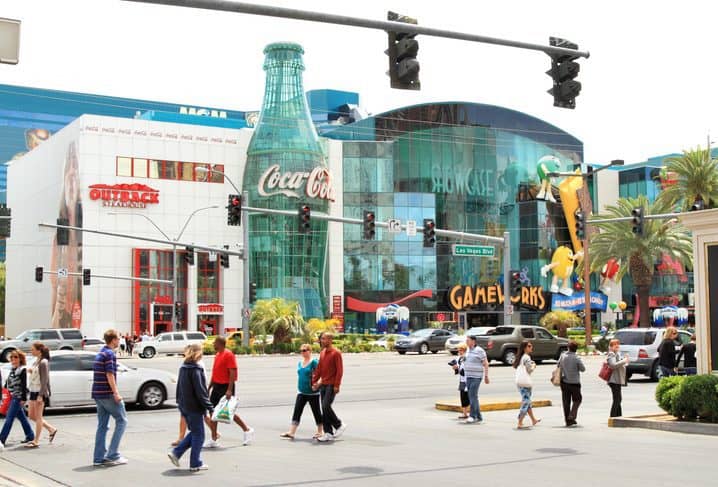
(207, 278)
(174, 170)
(157, 264)
(124, 166)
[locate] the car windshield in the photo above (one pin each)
(502, 330)
(21, 335)
(635, 338)
(422, 333)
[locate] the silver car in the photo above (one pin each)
(452, 344)
(641, 346)
(52, 338)
(170, 343)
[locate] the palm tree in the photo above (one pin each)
(278, 317)
(696, 179)
(641, 252)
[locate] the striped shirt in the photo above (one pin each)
(474, 364)
(105, 361)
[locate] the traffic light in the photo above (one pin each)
(580, 224)
(188, 256)
(637, 221)
(86, 277)
(224, 260)
(369, 225)
(38, 274)
(564, 69)
(515, 283)
(252, 292)
(63, 234)
(697, 205)
(5, 222)
(305, 216)
(402, 51)
(234, 210)
(429, 232)
(178, 310)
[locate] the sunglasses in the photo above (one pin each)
(305, 350)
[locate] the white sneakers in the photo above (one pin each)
(211, 444)
(173, 458)
(248, 437)
(118, 461)
(201, 467)
(2, 447)
(326, 437)
(340, 430)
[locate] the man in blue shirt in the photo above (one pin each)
(476, 368)
(109, 403)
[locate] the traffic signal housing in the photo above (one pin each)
(234, 210)
(188, 256)
(63, 234)
(86, 277)
(429, 232)
(5, 222)
(369, 225)
(402, 52)
(252, 292)
(580, 224)
(637, 221)
(224, 260)
(697, 205)
(38, 274)
(305, 217)
(564, 70)
(515, 283)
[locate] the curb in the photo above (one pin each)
(489, 405)
(664, 422)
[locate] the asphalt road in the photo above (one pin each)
(395, 436)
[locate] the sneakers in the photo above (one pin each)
(211, 444)
(470, 420)
(200, 468)
(117, 461)
(340, 430)
(326, 437)
(248, 437)
(2, 447)
(173, 458)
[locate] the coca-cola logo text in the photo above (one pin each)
(317, 183)
(124, 195)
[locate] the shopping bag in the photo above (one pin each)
(523, 379)
(5, 402)
(225, 410)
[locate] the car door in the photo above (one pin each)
(69, 381)
(683, 338)
(164, 343)
(125, 383)
(438, 339)
(545, 344)
(527, 334)
(50, 338)
(179, 342)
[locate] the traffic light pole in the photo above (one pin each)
(121, 278)
(387, 26)
(507, 283)
(245, 273)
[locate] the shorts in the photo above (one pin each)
(34, 396)
(464, 398)
(218, 392)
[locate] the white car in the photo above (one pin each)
(383, 341)
(170, 342)
(452, 344)
(92, 344)
(71, 381)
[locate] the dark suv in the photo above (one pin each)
(503, 343)
(52, 338)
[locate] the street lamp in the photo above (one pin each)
(174, 251)
(586, 272)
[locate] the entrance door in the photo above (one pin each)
(208, 324)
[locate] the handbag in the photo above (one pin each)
(605, 372)
(556, 376)
(5, 402)
(523, 379)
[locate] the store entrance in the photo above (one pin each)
(161, 318)
(208, 324)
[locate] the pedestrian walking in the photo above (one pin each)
(305, 394)
(476, 368)
(327, 379)
(130, 345)
(688, 353)
(17, 386)
(183, 422)
(193, 403)
(224, 376)
(458, 366)
(667, 352)
(571, 366)
(618, 375)
(39, 388)
(123, 345)
(524, 368)
(109, 402)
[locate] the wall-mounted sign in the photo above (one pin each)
(316, 184)
(210, 309)
(125, 195)
(462, 297)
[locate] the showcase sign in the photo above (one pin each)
(125, 195)
(462, 180)
(314, 184)
(462, 297)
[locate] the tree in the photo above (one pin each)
(561, 320)
(694, 177)
(277, 317)
(641, 252)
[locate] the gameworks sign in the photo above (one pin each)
(462, 297)
(125, 195)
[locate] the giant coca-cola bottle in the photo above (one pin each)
(286, 169)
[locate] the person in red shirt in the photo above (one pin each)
(224, 375)
(327, 377)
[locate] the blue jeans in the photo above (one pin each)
(193, 439)
(15, 410)
(525, 401)
(107, 407)
(473, 383)
(666, 372)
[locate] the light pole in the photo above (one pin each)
(584, 243)
(174, 241)
(245, 253)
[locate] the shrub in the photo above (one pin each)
(666, 391)
(689, 397)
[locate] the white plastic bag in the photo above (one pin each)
(225, 410)
(523, 379)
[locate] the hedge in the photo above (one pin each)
(689, 397)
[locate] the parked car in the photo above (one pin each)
(422, 341)
(385, 340)
(170, 342)
(53, 338)
(92, 344)
(641, 345)
(71, 381)
(503, 343)
(452, 344)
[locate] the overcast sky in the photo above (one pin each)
(648, 87)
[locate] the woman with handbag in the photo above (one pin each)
(618, 375)
(571, 366)
(524, 367)
(17, 385)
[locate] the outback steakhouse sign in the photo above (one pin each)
(125, 195)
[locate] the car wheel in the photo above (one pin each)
(151, 396)
(148, 352)
(6, 355)
(655, 372)
(423, 348)
(402, 352)
(509, 357)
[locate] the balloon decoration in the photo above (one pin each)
(622, 305)
(561, 266)
(613, 306)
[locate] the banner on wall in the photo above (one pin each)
(577, 302)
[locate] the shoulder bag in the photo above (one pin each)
(523, 379)
(605, 372)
